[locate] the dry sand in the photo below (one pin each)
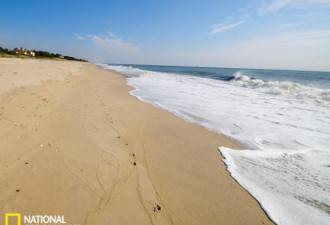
(75, 143)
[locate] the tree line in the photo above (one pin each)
(42, 54)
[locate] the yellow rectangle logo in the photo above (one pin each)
(18, 215)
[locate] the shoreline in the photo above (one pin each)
(101, 156)
(239, 146)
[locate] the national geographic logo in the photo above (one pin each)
(17, 215)
(16, 219)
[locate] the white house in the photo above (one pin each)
(23, 51)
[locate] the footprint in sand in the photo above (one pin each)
(157, 207)
(132, 155)
(109, 118)
(45, 100)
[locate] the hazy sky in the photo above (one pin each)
(280, 34)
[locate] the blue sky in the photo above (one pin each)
(279, 34)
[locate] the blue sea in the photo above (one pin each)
(281, 118)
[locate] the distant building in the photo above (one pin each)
(31, 53)
(23, 51)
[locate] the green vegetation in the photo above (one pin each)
(6, 51)
(38, 54)
(44, 54)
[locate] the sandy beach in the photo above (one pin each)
(75, 143)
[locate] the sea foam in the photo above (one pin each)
(285, 125)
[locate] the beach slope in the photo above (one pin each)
(75, 143)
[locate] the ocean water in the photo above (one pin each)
(282, 118)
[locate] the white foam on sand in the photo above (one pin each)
(292, 186)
